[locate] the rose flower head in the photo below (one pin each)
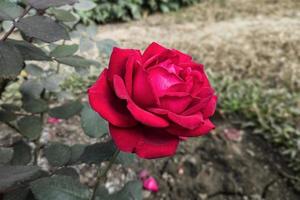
(153, 100)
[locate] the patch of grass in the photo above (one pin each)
(272, 112)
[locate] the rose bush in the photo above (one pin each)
(153, 100)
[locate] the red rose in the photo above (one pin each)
(153, 100)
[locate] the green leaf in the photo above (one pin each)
(42, 28)
(22, 154)
(106, 46)
(6, 155)
(92, 124)
(85, 5)
(97, 153)
(9, 11)
(52, 82)
(64, 50)
(66, 111)
(76, 152)
(43, 4)
(11, 176)
(32, 88)
(30, 127)
(58, 154)
(67, 171)
(59, 188)
(22, 193)
(29, 51)
(11, 61)
(76, 61)
(34, 70)
(7, 116)
(126, 158)
(33, 105)
(131, 190)
(63, 15)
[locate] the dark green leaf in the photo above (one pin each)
(6, 155)
(76, 61)
(34, 70)
(67, 171)
(43, 4)
(33, 105)
(9, 11)
(64, 50)
(66, 111)
(11, 61)
(126, 158)
(32, 88)
(58, 154)
(52, 82)
(59, 188)
(22, 193)
(98, 153)
(7, 116)
(42, 28)
(22, 154)
(10, 107)
(76, 152)
(10, 176)
(63, 15)
(30, 127)
(29, 51)
(106, 46)
(92, 124)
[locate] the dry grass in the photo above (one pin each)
(246, 38)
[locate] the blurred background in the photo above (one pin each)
(251, 52)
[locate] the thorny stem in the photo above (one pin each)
(103, 173)
(11, 30)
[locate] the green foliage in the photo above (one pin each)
(92, 124)
(125, 10)
(57, 154)
(11, 176)
(272, 112)
(36, 82)
(59, 187)
(66, 111)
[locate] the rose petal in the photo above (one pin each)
(156, 143)
(143, 93)
(146, 142)
(182, 56)
(161, 80)
(104, 102)
(132, 63)
(150, 184)
(153, 49)
(143, 174)
(189, 122)
(210, 108)
(126, 139)
(175, 103)
(138, 113)
(199, 102)
(118, 61)
(201, 130)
